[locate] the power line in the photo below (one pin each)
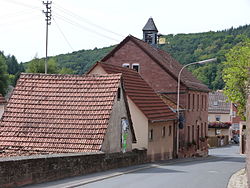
(76, 24)
(62, 34)
(85, 20)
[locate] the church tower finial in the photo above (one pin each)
(150, 32)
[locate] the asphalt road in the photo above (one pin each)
(211, 172)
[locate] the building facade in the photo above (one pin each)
(66, 114)
(160, 71)
(152, 119)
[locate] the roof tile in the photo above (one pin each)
(58, 113)
(142, 94)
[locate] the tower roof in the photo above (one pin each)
(150, 26)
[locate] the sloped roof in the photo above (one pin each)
(2, 99)
(141, 94)
(165, 61)
(150, 25)
(217, 103)
(58, 113)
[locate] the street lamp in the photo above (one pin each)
(178, 91)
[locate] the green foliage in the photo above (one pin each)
(187, 48)
(4, 78)
(82, 60)
(38, 66)
(236, 74)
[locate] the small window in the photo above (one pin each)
(126, 65)
(189, 100)
(198, 102)
(217, 118)
(170, 131)
(150, 136)
(119, 94)
(163, 133)
(193, 101)
(215, 103)
(136, 67)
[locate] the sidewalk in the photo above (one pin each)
(238, 180)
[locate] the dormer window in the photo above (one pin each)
(126, 65)
(136, 67)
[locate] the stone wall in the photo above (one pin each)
(18, 171)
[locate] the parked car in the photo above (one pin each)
(235, 139)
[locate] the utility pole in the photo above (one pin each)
(48, 15)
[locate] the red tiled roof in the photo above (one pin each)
(165, 61)
(141, 94)
(2, 99)
(58, 113)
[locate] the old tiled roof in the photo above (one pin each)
(150, 25)
(141, 94)
(58, 113)
(2, 99)
(218, 103)
(166, 62)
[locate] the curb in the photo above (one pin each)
(238, 179)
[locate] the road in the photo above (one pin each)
(211, 172)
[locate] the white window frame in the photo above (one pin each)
(136, 64)
(127, 65)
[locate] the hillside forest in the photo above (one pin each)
(185, 48)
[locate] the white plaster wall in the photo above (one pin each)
(1, 110)
(223, 117)
(140, 123)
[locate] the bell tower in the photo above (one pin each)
(150, 32)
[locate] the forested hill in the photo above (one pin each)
(185, 48)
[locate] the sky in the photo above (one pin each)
(82, 24)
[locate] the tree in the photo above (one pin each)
(236, 74)
(38, 66)
(3, 75)
(12, 64)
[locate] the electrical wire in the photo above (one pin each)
(85, 20)
(63, 34)
(76, 24)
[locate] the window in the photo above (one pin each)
(136, 67)
(126, 65)
(150, 136)
(202, 102)
(205, 129)
(233, 114)
(198, 102)
(215, 103)
(188, 134)
(202, 129)
(193, 101)
(192, 132)
(205, 102)
(119, 94)
(189, 101)
(169, 130)
(163, 133)
(217, 118)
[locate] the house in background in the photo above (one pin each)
(160, 71)
(66, 114)
(153, 120)
(2, 105)
(220, 119)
